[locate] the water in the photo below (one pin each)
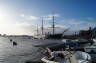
(23, 51)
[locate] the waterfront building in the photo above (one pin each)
(94, 32)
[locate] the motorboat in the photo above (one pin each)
(68, 57)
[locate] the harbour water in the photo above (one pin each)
(23, 51)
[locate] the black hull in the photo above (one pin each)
(54, 36)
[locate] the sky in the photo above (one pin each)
(21, 17)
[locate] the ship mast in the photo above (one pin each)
(53, 24)
(42, 28)
(37, 29)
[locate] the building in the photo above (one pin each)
(94, 32)
(86, 33)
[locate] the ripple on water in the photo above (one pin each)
(22, 52)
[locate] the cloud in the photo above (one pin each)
(75, 22)
(32, 18)
(29, 17)
(92, 24)
(90, 18)
(18, 28)
(90, 21)
(22, 15)
(49, 17)
(55, 15)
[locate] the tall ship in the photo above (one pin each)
(52, 34)
(87, 34)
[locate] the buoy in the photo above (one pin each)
(14, 43)
(10, 40)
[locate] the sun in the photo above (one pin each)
(5, 20)
(3, 16)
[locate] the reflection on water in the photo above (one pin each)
(22, 52)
